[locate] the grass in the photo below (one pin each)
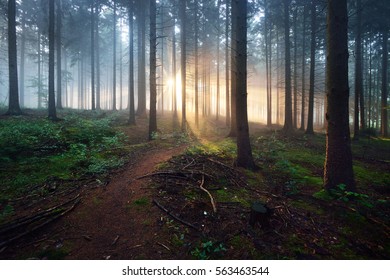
(34, 150)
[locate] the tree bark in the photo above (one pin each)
(153, 75)
(384, 114)
(338, 162)
(114, 61)
(183, 44)
(244, 150)
(52, 104)
(93, 106)
(310, 116)
(288, 124)
(233, 74)
(227, 82)
(131, 65)
(59, 53)
(303, 101)
(13, 105)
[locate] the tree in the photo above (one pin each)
(153, 75)
(93, 106)
(233, 76)
(13, 107)
(59, 46)
(288, 121)
(310, 117)
(338, 162)
(52, 102)
(183, 43)
(114, 61)
(244, 150)
(131, 65)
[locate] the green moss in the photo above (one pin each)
(304, 205)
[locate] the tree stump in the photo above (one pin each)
(260, 215)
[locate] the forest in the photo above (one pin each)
(194, 129)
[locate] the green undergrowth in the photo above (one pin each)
(34, 150)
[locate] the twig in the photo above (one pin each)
(163, 245)
(175, 217)
(28, 220)
(211, 197)
(4, 243)
(115, 240)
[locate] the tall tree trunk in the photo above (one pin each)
(13, 105)
(233, 74)
(303, 101)
(153, 75)
(59, 48)
(93, 106)
(338, 162)
(39, 72)
(131, 65)
(227, 76)
(114, 61)
(141, 110)
(183, 43)
(384, 114)
(244, 150)
(22, 60)
(267, 68)
(288, 125)
(217, 103)
(358, 70)
(310, 116)
(52, 102)
(97, 57)
(174, 87)
(196, 25)
(295, 102)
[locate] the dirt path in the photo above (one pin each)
(118, 221)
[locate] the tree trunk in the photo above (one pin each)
(217, 103)
(52, 102)
(59, 48)
(13, 105)
(288, 125)
(97, 58)
(141, 110)
(131, 65)
(338, 162)
(153, 75)
(196, 66)
(227, 82)
(22, 60)
(233, 74)
(384, 115)
(310, 116)
(183, 43)
(244, 150)
(114, 61)
(93, 106)
(295, 102)
(305, 9)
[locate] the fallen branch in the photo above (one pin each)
(163, 245)
(28, 220)
(209, 194)
(174, 216)
(6, 242)
(172, 173)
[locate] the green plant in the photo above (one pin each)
(208, 250)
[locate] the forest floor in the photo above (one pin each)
(181, 197)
